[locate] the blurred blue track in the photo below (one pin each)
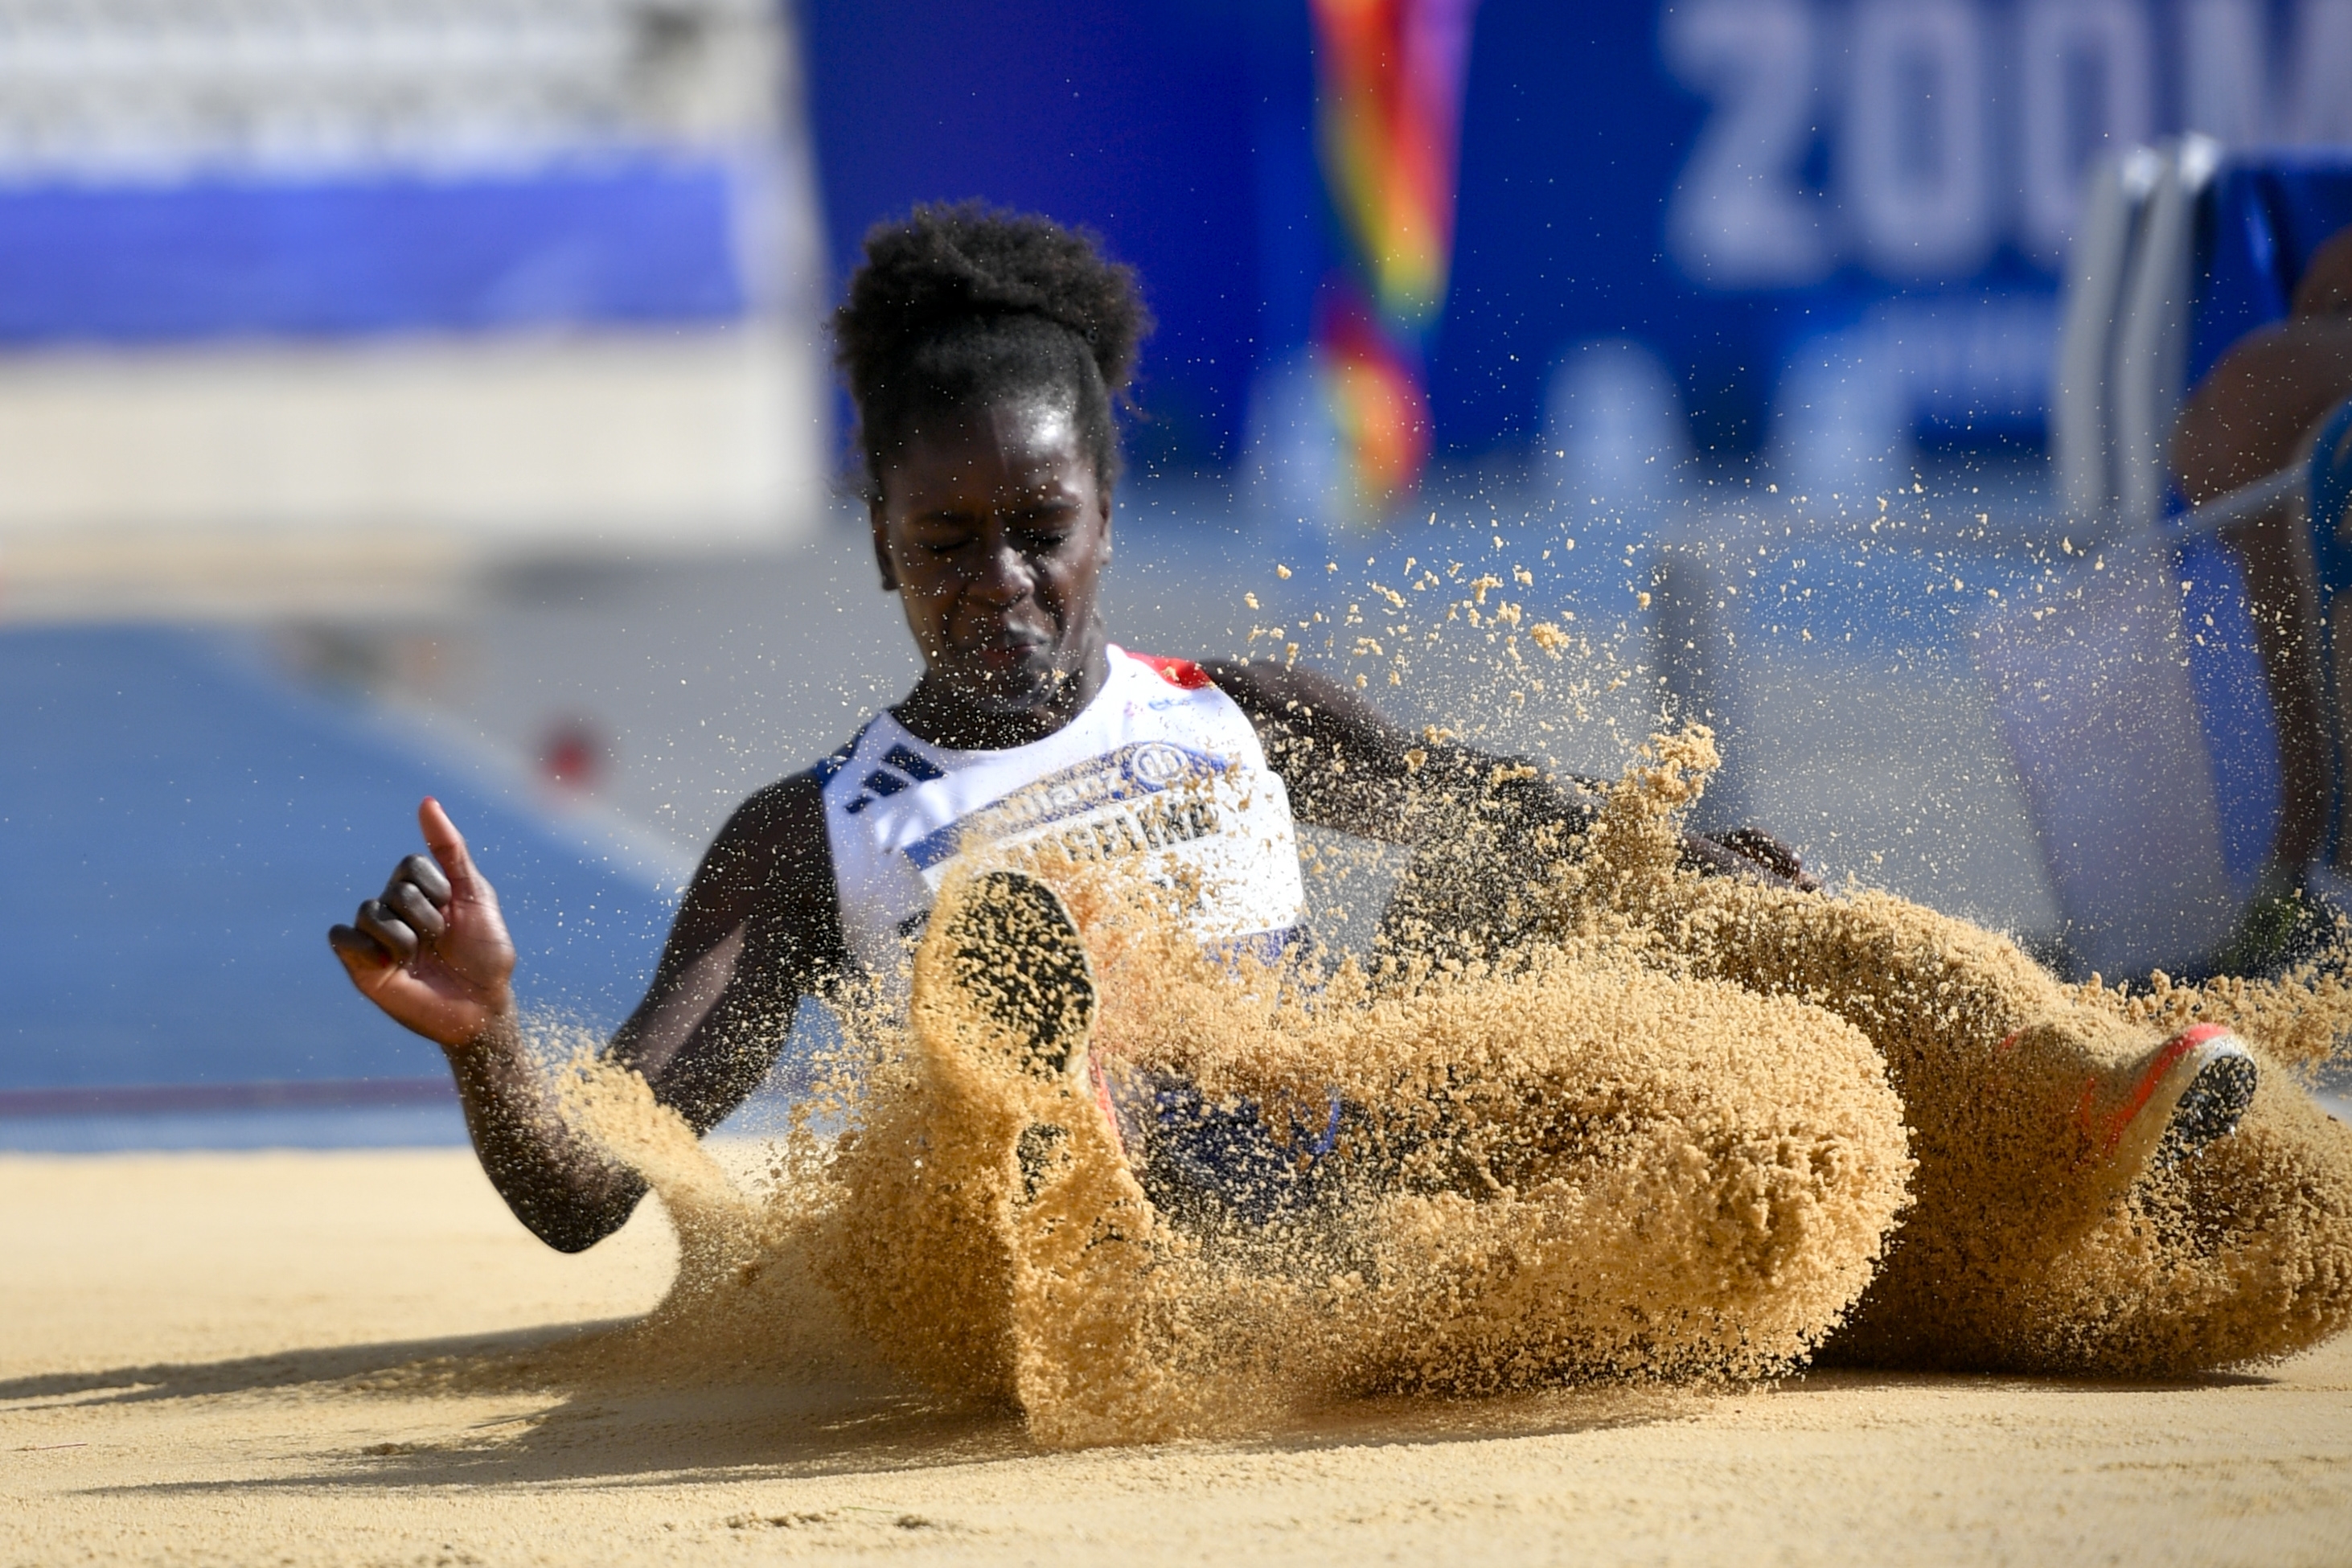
(179, 827)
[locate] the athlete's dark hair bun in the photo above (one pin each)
(965, 303)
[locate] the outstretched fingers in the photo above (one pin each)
(448, 846)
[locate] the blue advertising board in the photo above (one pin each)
(1738, 185)
(1158, 125)
(1734, 179)
(1735, 183)
(172, 175)
(638, 241)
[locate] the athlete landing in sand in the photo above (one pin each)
(985, 353)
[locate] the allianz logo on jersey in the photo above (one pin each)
(1155, 764)
(1138, 770)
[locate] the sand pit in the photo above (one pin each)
(201, 1365)
(1606, 1201)
(1597, 1208)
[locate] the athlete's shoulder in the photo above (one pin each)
(1182, 673)
(771, 864)
(783, 820)
(1266, 688)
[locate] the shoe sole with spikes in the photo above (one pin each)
(1017, 960)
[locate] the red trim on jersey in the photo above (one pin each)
(1181, 672)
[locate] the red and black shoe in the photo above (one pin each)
(2172, 1103)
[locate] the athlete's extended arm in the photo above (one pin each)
(1350, 767)
(757, 931)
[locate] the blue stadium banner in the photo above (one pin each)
(642, 241)
(1740, 186)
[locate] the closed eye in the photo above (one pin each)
(944, 534)
(1046, 526)
(1039, 528)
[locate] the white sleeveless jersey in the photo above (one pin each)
(1161, 775)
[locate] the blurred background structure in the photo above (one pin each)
(312, 305)
(400, 395)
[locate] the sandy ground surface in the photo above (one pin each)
(190, 1351)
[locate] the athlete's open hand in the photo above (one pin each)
(432, 950)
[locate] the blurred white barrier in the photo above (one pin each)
(2151, 334)
(149, 88)
(633, 439)
(1695, 631)
(2081, 447)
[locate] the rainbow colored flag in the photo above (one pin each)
(1390, 76)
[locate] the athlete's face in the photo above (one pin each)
(994, 529)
